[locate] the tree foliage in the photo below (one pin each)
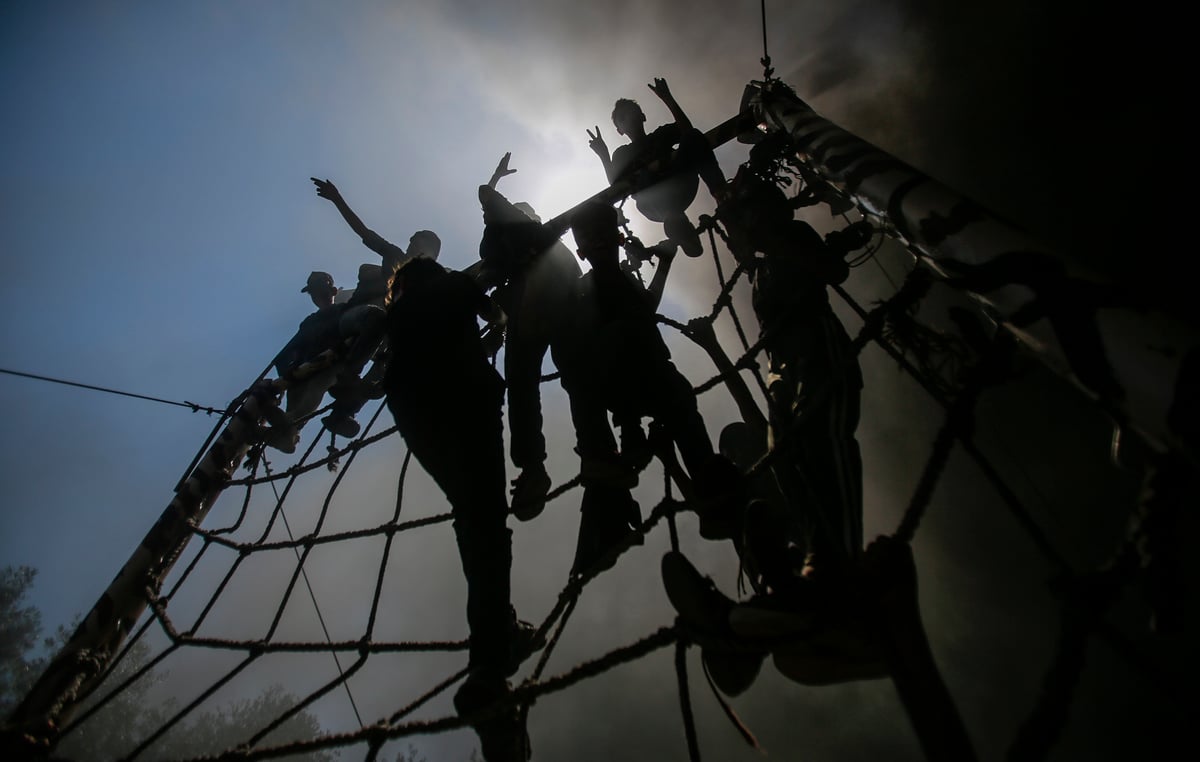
(136, 713)
(19, 628)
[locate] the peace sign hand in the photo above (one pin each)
(597, 144)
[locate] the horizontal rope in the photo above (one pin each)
(190, 405)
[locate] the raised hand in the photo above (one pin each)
(502, 170)
(597, 144)
(659, 88)
(326, 189)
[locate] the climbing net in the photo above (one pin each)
(354, 628)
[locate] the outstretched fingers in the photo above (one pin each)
(325, 188)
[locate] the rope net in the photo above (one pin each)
(332, 572)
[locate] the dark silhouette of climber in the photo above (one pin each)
(535, 277)
(617, 360)
(352, 331)
(1068, 304)
(667, 200)
(814, 379)
(533, 273)
(446, 399)
(372, 288)
(872, 630)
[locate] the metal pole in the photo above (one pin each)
(941, 227)
(75, 671)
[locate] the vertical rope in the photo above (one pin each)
(313, 596)
(766, 59)
(685, 702)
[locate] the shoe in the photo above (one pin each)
(502, 736)
(635, 450)
(663, 249)
(480, 691)
(687, 238)
(703, 610)
(284, 439)
(608, 524)
(732, 664)
(343, 426)
(523, 643)
(529, 492)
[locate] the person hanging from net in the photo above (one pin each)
(446, 400)
(352, 392)
(667, 200)
(533, 274)
(814, 382)
(875, 632)
(352, 332)
(618, 361)
(1067, 303)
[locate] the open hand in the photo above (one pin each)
(502, 169)
(326, 189)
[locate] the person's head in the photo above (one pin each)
(424, 244)
(627, 117)
(597, 236)
(497, 210)
(413, 274)
(756, 213)
(320, 288)
(526, 209)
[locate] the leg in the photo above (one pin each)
(523, 355)
(832, 461)
(470, 470)
(696, 155)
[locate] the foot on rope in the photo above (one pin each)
(523, 643)
(342, 425)
(809, 642)
(529, 492)
(608, 525)
(481, 701)
(732, 663)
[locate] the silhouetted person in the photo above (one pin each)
(534, 274)
(619, 360)
(874, 630)
(446, 399)
(352, 331)
(814, 378)
(1068, 304)
(667, 200)
(372, 288)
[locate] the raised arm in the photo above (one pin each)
(502, 170)
(597, 144)
(392, 254)
(659, 88)
(326, 189)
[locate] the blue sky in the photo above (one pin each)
(157, 223)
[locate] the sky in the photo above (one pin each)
(157, 223)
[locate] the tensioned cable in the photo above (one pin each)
(313, 596)
(190, 405)
(766, 59)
